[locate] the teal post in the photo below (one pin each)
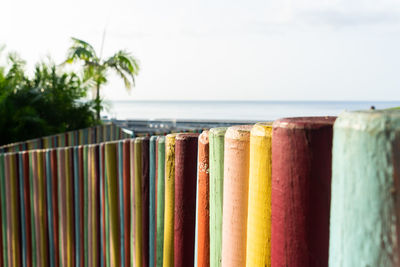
(365, 207)
(152, 200)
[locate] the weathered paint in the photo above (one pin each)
(168, 250)
(3, 201)
(216, 145)
(145, 201)
(236, 186)
(42, 215)
(86, 205)
(185, 198)
(203, 215)
(138, 202)
(121, 200)
(160, 199)
(301, 181)
(364, 225)
(54, 182)
(90, 206)
(94, 189)
(61, 208)
(26, 218)
(133, 205)
(77, 205)
(112, 192)
(152, 200)
(126, 199)
(14, 212)
(258, 249)
(103, 260)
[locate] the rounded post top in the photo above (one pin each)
(369, 120)
(304, 122)
(218, 131)
(262, 129)
(161, 139)
(187, 136)
(203, 138)
(239, 132)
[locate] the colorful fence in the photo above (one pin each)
(93, 135)
(252, 195)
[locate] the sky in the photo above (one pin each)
(224, 49)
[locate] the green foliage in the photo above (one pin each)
(48, 103)
(96, 69)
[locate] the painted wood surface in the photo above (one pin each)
(126, 198)
(61, 209)
(8, 209)
(15, 237)
(365, 190)
(42, 207)
(32, 209)
(145, 200)
(3, 200)
(168, 250)
(121, 204)
(216, 143)
(185, 198)
(301, 178)
(258, 248)
(138, 203)
(54, 182)
(203, 214)
(94, 205)
(103, 194)
(160, 199)
(236, 186)
(86, 225)
(152, 200)
(69, 207)
(155, 199)
(23, 163)
(77, 207)
(112, 192)
(133, 202)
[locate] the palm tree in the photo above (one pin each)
(95, 69)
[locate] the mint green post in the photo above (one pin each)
(365, 206)
(216, 143)
(160, 199)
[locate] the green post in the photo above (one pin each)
(216, 143)
(160, 199)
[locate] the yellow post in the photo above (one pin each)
(138, 201)
(258, 251)
(14, 208)
(168, 253)
(110, 160)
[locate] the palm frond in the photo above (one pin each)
(125, 78)
(81, 50)
(125, 65)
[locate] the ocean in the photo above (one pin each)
(235, 110)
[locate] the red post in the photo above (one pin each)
(301, 190)
(185, 198)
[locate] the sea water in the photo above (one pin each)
(235, 110)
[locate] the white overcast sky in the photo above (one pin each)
(224, 49)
